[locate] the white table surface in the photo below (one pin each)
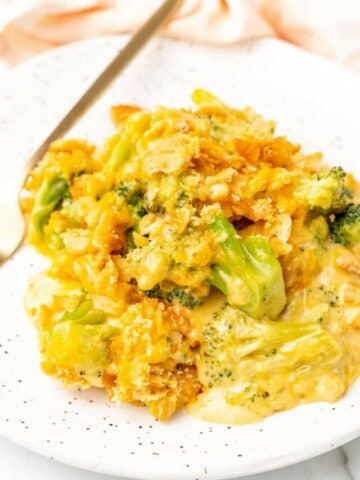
(18, 463)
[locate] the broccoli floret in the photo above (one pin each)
(249, 273)
(134, 199)
(230, 338)
(345, 229)
(176, 293)
(325, 192)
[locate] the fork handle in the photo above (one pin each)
(107, 77)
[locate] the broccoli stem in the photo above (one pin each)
(48, 198)
(85, 314)
(134, 128)
(249, 273)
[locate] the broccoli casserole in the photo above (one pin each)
(196, 260)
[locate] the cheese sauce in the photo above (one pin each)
(257, 385)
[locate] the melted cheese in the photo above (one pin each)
(131, 220)
(253, 391)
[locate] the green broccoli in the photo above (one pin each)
(85, 314)
(74, 346)
(249, 273)
(134, 199)
(203, 98)
(325, 192)
(48, 198)
(231, 339)
(176, 293)
(134, 128)
(345, 229)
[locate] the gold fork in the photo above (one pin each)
(12, 223)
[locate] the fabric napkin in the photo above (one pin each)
(326, 27)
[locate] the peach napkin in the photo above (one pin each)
(327, 27)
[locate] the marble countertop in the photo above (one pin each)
(340, 464)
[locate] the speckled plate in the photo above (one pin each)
(316, 103)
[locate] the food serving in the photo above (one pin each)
(196, 260)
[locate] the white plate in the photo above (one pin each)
(316, 103)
